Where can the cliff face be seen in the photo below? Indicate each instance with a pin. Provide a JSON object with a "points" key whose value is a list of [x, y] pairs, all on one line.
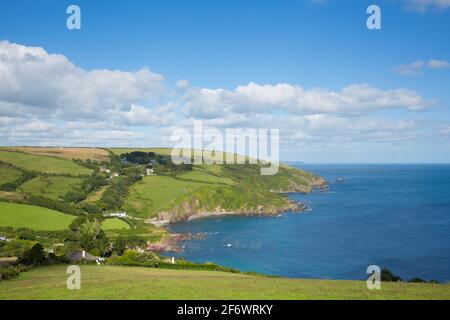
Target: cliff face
{"points": [[251, 194]]}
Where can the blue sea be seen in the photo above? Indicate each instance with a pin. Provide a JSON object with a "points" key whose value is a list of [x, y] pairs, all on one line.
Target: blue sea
{"points": [[393, 216]]}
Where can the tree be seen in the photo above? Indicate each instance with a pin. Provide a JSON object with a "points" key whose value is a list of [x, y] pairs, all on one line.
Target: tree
{"points": [[87, 231], [417, 280], [387, 275], [34, 256], [119, 246]]}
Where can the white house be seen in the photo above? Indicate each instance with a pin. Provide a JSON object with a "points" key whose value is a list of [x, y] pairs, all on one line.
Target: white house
{"points": [[106, 170], [113, 175], [119, 214]]}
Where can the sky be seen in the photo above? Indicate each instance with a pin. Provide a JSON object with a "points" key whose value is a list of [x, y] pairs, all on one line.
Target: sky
{"points": [[138, 70]]}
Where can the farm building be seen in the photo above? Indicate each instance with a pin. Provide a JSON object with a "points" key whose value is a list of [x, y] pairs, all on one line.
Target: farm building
{"points": [[82, 255]]}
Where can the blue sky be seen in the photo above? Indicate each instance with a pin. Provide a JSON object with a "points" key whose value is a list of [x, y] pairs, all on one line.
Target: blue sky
{"points": [[221, 45]]}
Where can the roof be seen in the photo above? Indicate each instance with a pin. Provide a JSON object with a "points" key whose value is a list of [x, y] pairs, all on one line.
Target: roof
{"points": [[81, 255]]}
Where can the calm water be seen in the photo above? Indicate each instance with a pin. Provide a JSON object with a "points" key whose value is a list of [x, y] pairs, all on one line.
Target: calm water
{"points": [[394, 216]]}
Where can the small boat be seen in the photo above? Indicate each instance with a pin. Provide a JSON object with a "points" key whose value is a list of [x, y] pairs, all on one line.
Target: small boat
{"points": [[229, 245]]}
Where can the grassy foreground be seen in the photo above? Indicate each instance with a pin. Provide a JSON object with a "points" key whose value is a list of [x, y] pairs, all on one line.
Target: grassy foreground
{"points": [[105, 282]]}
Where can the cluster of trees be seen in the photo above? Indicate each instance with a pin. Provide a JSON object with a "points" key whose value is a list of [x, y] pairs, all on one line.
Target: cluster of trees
{"points": [[27, 258], [87, 233], [140, 157], [388, 276], [161, 164], [115, 194], [90, 184], [11, 271], [88, 163]]}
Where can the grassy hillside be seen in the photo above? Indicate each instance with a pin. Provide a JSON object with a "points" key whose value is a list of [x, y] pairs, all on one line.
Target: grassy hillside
{"points": [[104, 282], [53, 187], [54, 181], [37, 218], [8, 174], [216, 188], [114, 224], [44, 164], [65, 153], [158, 193]]}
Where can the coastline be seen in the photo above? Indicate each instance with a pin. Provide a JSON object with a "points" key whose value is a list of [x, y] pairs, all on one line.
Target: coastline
{"points": [[294, 206], [171, 242]]}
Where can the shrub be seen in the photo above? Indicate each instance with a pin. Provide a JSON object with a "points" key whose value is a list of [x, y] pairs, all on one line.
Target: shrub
{"points": [[417, 280], [34, 256], [12, 271], [15, 248], [387, 275]]}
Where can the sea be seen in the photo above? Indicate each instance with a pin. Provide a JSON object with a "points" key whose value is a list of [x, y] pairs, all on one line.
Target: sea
{"points": [[395, 216]]}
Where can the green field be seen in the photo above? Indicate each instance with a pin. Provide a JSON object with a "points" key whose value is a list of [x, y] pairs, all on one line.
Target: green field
{"points": [[8, 174], [53, 187], [44, 164], [114, 224], [157, 193], [105, 282], [37, 218]]}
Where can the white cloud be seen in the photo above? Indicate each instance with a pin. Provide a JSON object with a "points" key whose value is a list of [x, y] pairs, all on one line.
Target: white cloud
{"points": [[33, 81], [414, 5], [139, 115], [182, 84], [411, 69], [315, 2], [438, 64], [426, 5], [47, 100], [418, 67], [355, 98]]}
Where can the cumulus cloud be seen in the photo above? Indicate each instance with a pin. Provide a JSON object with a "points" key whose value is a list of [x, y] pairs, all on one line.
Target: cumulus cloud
{"points": [[418, 67], [414, 5], [355, 98], [182, 84], [315, 2], [47, 100], [34, 81], [438, 64], [426, 5]]}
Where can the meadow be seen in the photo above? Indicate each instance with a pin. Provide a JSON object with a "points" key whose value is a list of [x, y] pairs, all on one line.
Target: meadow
{"points": [[114, 224], [8, 174], [112, 282], [157, 193], [96, 154], [52, 187], [44, 164], [33, 217]]}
